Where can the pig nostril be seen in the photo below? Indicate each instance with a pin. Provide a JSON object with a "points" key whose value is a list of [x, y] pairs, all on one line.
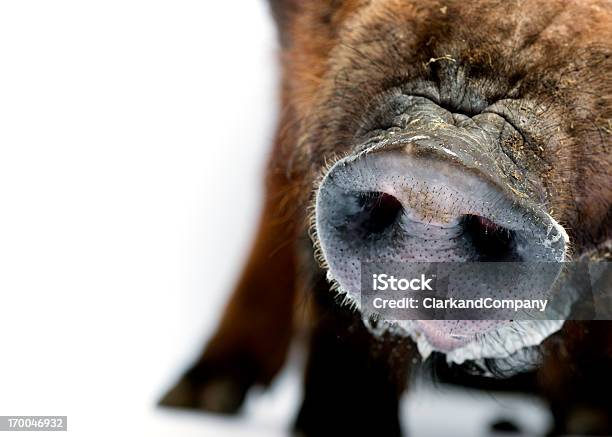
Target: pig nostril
{"points": [[378, 211], [491, 241]]}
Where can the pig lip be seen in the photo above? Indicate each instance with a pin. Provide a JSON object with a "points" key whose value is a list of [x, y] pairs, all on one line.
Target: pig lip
{"points": [[439, 340], [443, 339]]}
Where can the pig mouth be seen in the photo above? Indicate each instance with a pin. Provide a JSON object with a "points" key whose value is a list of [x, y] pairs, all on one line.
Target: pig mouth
{"points": [[498, 340], [437, 191]]}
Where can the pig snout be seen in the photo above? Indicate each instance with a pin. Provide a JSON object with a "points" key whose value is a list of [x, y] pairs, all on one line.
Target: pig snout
{"points": [[433, 195]]}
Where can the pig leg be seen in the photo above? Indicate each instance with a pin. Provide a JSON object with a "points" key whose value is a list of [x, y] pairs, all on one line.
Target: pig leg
{"points": [[353, 380], [252, 339]]}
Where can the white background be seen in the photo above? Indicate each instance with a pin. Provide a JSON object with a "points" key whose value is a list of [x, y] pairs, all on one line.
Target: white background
{"points": [[133, 136]]}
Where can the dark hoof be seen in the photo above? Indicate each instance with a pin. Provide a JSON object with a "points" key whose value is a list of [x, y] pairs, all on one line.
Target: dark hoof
{"points": [[221, 395], [505, 426], [214, 386]]}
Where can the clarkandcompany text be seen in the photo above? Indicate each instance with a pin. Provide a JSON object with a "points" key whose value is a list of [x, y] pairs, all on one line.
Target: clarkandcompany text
{"points": [[454, 303]]}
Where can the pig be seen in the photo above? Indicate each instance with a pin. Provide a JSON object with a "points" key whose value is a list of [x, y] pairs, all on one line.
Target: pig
{"points": [[400, 121]]}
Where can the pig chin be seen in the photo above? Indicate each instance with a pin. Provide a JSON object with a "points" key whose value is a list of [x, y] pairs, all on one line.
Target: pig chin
{"points": [[438, 188], [508, 340]]}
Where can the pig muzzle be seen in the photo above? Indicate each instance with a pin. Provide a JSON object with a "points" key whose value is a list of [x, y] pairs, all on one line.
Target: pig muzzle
{"points": [[433, 192]]}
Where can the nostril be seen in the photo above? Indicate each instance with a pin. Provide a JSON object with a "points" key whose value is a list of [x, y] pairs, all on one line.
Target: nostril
{"points": [[491, 241], [377, 212]]}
